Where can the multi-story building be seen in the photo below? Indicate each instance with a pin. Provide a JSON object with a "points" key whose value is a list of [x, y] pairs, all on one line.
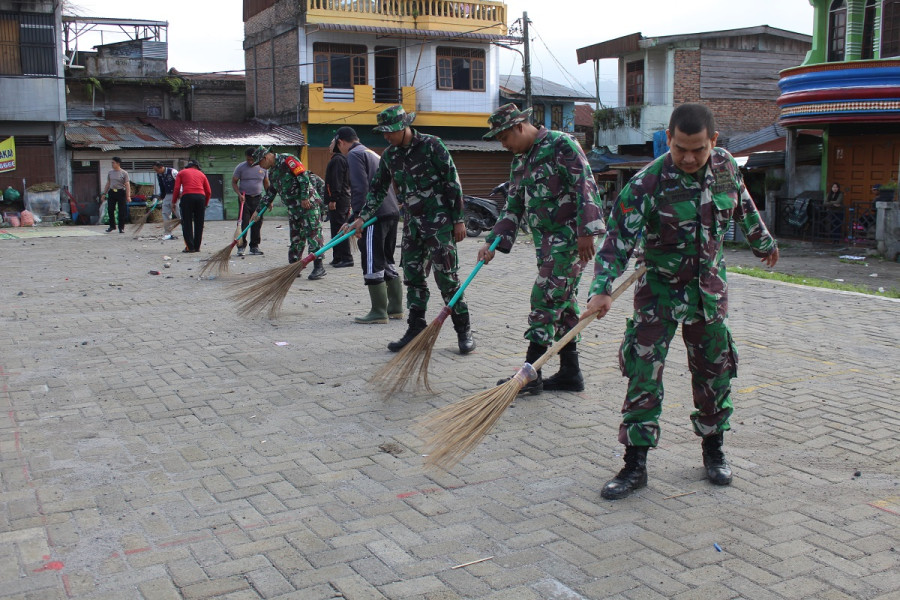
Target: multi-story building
{"points": [[734, 72], [849, 88], [33, 106], [322, 64]]}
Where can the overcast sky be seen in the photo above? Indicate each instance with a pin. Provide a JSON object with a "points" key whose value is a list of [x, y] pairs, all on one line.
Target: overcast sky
{"points": [[203, 38]]}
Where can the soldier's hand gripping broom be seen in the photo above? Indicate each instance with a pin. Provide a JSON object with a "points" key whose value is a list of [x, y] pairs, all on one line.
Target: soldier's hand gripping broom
{"points": [[219, 260], [268, 289], [454, 431], [416, 355]]}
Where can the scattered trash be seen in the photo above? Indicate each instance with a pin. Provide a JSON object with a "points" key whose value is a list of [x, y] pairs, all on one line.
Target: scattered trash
{"points": [[717, 547], [840, 280], [154, 272], [473, 562], [680, 495], [167, 258], [874, 275], [881, 290], [281, 343], [849, 258], [20, 294], [857, 474]]}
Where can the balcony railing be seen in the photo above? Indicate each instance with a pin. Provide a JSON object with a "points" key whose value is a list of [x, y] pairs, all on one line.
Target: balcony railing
{"points": [[486, 16]]}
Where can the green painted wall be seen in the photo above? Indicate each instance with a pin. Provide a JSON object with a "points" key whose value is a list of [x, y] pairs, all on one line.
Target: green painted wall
{"points": [[221, 160], [856, 10]]}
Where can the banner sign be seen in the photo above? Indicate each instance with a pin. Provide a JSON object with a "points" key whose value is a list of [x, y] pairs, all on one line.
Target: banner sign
{"points": [[8, 155]]}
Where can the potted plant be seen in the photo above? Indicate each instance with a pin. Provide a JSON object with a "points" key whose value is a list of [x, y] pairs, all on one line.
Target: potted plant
{"points": [[886, 192]]}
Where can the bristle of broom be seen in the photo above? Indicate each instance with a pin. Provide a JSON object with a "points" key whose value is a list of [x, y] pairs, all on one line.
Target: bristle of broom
{"points": [[218, 261], [455, 430], [254, 293], [138, 226], [415, 356], [173, 223]]}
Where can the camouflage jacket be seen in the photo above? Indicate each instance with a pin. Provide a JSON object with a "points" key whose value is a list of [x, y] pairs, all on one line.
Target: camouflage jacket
{"points": [[289, 179], [552, 188], [426, 179], [684, 219]]}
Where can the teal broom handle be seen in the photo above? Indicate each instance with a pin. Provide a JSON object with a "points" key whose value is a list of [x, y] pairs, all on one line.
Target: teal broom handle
{"points": [[471, 276]]}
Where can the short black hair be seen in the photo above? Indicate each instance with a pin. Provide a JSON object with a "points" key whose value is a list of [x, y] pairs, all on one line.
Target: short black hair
{"points": [[692, 118], [117, 160], [346, 134], [249, 151], [158, 164]]}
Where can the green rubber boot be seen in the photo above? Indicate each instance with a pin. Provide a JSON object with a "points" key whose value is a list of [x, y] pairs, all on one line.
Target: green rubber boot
{"points": [[395, 298], [378, 314]]}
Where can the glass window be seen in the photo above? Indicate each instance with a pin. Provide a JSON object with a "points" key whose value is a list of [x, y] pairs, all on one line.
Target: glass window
{"points": [[868, 38], [27, 44], [537, 115], [837, 30], [340, 65], [890, 29], [556, 117], [460, 69], [634, 83]]}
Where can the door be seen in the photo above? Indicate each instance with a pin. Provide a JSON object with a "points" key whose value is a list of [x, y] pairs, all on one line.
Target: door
{"points": [[858, 163], [215, 211], [86, 189], [387, 79]]}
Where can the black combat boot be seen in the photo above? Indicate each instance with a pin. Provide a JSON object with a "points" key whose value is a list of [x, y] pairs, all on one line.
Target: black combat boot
{"points": [[717, 469], [318, 271], [569, 378], [535, 386], [416, 324], [633, 475], [463, 332]]}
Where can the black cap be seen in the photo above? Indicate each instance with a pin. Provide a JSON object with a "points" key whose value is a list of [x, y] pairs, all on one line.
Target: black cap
{"points": [[346, 134]]}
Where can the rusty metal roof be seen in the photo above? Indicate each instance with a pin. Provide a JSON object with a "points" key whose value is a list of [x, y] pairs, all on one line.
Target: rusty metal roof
{"points": [[115, 135], [187, 134]]}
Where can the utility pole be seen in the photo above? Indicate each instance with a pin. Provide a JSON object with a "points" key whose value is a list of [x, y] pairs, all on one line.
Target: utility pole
{"points": [[526, 62]]}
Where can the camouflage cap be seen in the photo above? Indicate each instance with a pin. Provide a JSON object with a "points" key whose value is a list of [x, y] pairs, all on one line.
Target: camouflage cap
{"points": [[259, 154], [394, 118], [505, 117]]}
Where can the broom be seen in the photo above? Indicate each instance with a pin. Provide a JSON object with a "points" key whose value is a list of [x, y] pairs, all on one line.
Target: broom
{"points": [[455, 430], [219, 260], [269, 288], [415, 356], [145, 219]]}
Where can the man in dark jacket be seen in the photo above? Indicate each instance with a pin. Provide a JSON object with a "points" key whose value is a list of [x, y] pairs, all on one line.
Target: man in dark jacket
{"points": [[165, 176], [379, 240], [337, 197]]}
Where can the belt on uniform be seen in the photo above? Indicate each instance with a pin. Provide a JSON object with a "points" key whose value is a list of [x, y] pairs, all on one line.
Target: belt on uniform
{"points": [[115, 190]]}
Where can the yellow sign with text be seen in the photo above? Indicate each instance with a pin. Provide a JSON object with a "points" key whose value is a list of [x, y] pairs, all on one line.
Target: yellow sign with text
{"points": [[8, 155]]}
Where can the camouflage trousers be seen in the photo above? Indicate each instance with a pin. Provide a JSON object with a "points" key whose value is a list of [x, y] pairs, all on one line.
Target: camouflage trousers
{"points": [[306, 228], [426, 246], [712, 360], [554, 295]]}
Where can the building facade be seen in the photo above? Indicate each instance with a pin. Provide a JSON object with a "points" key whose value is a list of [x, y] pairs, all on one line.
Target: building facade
{"points": [[734, 72], [320, 65], [849, 88], [32, 101]]}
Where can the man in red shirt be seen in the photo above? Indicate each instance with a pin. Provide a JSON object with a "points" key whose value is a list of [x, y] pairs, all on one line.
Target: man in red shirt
{"points": [[192, 188]]}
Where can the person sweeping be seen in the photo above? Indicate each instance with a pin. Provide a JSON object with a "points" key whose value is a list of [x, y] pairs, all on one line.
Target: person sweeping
{"points": [[552, 188], [428, 186], [289, 178]]}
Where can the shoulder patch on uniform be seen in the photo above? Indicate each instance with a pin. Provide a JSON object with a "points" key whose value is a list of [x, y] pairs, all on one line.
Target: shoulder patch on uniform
{"points": [[625, 209], [295, 166]]}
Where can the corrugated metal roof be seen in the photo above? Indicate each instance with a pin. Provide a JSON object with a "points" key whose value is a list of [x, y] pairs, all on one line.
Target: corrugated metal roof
{"points": [[474, 145], [187, 134], [514, 86], [414, 33], [765, 135], [115, 135], [584, 115]]}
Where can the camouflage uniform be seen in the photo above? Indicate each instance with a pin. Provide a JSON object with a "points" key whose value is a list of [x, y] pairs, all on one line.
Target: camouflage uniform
{"points": [[684, 218], [552, 188], [290, 179], [428, 187]]}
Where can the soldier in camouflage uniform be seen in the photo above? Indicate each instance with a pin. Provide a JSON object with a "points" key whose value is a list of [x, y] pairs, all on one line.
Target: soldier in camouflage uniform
{"points": [[552, 188], [298, 190], [428, 186], [682, 202]]}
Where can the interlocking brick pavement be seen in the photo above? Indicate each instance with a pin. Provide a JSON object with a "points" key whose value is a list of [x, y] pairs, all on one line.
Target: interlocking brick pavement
{"points": [[153, 445]]}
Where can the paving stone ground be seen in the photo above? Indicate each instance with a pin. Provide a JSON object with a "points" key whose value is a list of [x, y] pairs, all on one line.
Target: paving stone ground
{"points": [[154, 446]]}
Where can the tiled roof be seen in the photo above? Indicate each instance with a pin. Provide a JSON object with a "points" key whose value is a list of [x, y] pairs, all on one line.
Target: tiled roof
{"points": [[227, 133], [115, 135], [514, 86]]}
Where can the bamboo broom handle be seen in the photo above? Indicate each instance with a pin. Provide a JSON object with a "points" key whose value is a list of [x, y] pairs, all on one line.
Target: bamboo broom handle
{"points": [[555, 348]]}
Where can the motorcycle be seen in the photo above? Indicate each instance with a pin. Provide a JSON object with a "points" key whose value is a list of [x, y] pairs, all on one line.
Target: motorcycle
{"points": [[481, 213]]}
